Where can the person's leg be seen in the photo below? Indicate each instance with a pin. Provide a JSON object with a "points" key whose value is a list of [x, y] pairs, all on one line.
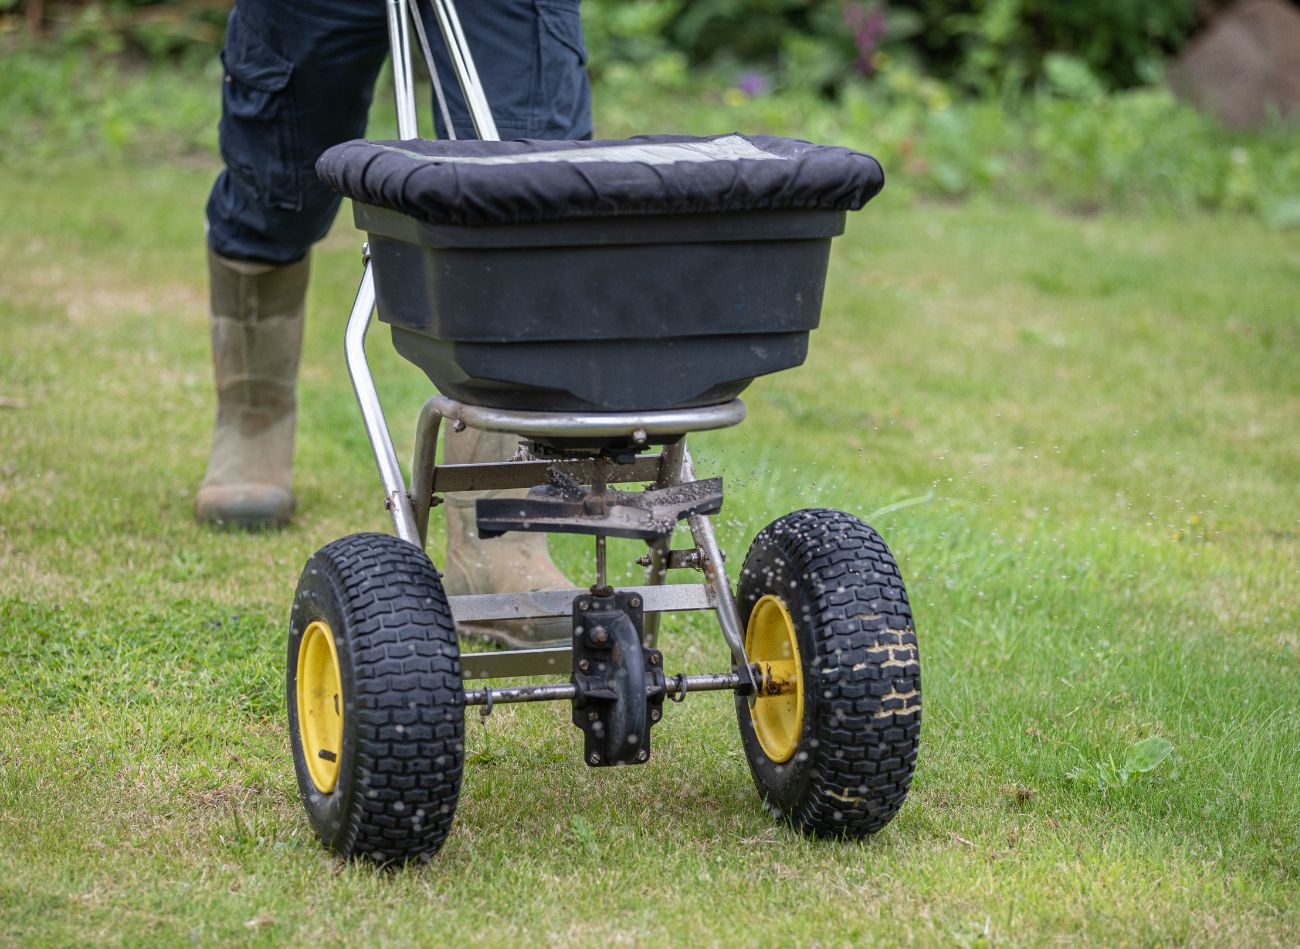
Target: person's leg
{"points": [[256, 313], [298, 78]]}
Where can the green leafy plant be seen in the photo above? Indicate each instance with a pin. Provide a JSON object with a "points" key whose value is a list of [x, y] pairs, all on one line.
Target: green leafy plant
{"points": [[1141, 757], [584, 836]]}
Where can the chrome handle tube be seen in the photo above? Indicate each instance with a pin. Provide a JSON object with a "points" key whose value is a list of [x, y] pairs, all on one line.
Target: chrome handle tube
{"points": [[372, 413], [403, 76], [462, 62]]}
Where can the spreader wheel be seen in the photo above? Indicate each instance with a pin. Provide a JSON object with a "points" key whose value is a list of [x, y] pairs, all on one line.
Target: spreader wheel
{"points": [[376, 707], [832, 738]]}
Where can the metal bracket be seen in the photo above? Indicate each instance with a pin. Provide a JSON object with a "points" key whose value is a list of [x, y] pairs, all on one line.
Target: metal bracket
{"points": [[618, 684], [566, 507], [692, 559]]}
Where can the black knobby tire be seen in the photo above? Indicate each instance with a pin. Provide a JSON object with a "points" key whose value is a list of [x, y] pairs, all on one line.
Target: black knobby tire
{"points": [[861, 671], [399, 768]]}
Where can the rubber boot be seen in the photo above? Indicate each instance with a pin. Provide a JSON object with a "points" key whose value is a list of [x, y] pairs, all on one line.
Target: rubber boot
{"points": [[257, 325], [514, 562]]}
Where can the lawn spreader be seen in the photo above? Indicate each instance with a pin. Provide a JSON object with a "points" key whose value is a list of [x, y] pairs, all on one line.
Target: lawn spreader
{"points": [[601, 301]]}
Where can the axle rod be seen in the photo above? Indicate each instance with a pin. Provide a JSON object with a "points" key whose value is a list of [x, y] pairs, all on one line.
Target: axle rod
{"points": [[677, 687]]}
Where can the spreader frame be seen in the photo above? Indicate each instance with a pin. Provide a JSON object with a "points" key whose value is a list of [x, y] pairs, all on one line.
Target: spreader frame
{"points": [[825, 668]]}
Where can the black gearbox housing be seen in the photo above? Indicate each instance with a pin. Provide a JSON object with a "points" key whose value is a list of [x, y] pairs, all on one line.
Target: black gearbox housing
{"points": [[620, 683]]}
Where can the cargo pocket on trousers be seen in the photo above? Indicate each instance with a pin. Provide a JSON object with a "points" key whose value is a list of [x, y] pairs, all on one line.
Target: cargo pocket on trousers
{"points": [[259, 127], [562, 75]]}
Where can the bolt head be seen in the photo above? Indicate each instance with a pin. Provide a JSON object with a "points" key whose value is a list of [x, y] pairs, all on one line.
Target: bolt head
{"points": [[583, 605], [583, 665], [593, 758], [655, 714], [643, 755], [634, 602], [654, 658], [593, 716]]}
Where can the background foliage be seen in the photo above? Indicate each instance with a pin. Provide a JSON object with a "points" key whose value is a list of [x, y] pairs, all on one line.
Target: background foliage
{"points": [[980, 45], [1033, 97], [191, 29]]}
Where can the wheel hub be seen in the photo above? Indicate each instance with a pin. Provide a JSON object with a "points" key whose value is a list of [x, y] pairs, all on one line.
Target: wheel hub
{"points": [[772, 646], [320, 705]]}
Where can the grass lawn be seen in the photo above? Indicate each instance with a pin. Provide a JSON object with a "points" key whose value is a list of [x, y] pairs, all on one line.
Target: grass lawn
{"points": [[1096, 419]]}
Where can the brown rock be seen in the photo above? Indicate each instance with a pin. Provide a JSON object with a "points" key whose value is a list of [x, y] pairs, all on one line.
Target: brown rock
{"points": [[1245, 67]]}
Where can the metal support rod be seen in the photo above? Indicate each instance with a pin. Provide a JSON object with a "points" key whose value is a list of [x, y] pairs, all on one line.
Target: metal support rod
{"points": [[403, 75], [417, 20], [521, 693], [600, 561], [462, 62], [715, 580], [363, 384], [424, 469], [656, 572], [708, 682]]}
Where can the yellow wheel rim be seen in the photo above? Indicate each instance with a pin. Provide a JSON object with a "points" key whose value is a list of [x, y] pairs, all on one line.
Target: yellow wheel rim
{"points": [[320, 705], [770, 643]]}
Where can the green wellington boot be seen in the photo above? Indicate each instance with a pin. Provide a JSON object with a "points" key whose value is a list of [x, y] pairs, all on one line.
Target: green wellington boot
{"points": [[514, 562], [257, 324]]}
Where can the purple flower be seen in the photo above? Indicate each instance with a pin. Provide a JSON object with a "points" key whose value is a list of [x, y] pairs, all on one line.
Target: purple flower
{"points": [[868, 27], [752, 84]]}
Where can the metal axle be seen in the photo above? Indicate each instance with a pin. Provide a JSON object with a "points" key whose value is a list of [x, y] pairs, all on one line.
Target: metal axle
{"points": [[677, 688]]}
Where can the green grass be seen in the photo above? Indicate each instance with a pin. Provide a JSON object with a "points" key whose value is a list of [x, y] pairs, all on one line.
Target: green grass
{"points": [[1097, 419]]}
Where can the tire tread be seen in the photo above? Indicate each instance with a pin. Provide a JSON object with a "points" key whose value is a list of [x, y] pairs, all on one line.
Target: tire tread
{"points": [[865, 669], [408, 701]]}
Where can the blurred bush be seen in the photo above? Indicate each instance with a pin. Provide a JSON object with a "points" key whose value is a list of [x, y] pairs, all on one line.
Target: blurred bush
{"points": [[191, 30], [1068, 141], [979, 46], [1049, 124]]}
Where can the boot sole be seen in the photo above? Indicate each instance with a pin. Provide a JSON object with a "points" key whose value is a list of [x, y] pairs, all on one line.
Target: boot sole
{"points": [[254, 513]]}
